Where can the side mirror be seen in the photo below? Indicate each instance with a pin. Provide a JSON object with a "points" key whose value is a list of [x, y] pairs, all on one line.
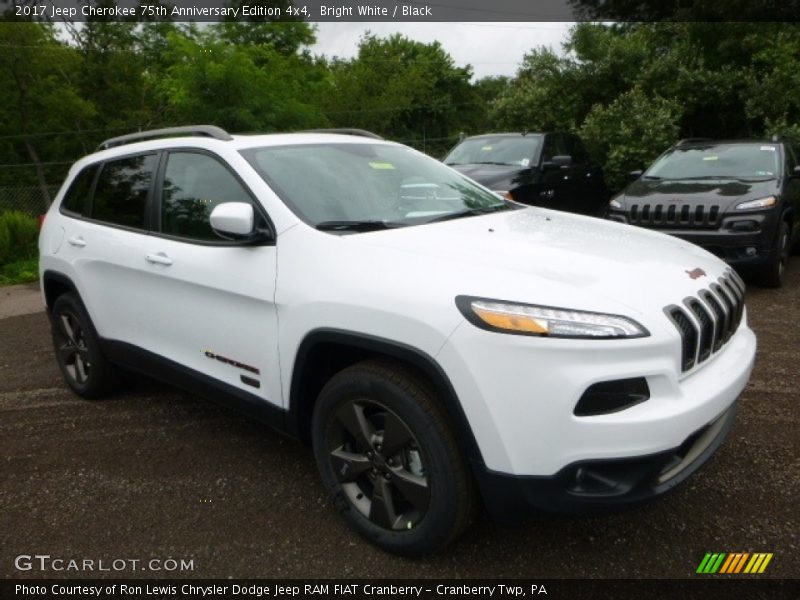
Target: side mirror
{"points": [[634, 175], [234, 220], [557, 162]]}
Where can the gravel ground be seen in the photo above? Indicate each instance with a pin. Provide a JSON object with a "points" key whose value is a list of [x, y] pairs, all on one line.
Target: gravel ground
{"points": [[156, 473]]}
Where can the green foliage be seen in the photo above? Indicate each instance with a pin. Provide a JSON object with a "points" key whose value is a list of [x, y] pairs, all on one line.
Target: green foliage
{"points": [[629, 133], [541, 97], [38, 94], [617, 84], [403, 89], [633, 89], [241, 88], [19, 235], [21, 271]]}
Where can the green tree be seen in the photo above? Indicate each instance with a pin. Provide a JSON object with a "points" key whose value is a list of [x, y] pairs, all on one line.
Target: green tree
{"points": [[38, 95], [243, 88], [630, 132], [405, 90]]}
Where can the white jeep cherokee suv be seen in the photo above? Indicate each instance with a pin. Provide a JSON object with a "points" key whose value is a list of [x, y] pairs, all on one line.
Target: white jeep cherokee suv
{"points": [[434, 343]]}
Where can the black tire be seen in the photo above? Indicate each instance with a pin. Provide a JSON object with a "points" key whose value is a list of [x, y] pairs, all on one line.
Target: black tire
{"points": [[772, 275], [77, 349], [389, 459]]}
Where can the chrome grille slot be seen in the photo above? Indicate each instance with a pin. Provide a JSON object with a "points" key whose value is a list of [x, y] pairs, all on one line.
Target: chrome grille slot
{"points": [[674, 215], [719, 317], [688, 335], [706, 328], [708, 320], [728, 305]]}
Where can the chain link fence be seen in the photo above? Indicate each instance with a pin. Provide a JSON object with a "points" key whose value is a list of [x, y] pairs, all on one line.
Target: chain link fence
{"points": [[29, 200]]}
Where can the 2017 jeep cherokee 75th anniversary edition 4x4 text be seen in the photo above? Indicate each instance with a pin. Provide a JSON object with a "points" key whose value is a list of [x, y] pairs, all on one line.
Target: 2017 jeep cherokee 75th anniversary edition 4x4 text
{"points": [[434, 348]]}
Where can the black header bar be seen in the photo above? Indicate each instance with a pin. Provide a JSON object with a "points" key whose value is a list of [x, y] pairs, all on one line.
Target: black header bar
{"points": [[400, 10]]}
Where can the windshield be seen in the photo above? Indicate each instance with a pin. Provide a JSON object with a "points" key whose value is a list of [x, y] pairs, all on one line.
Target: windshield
{"points": [[736, 161], [500, 150], [359, 187]]}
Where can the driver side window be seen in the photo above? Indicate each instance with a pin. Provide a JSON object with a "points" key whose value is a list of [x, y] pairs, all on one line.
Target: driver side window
{"points": [[553, 146], [194, 184]]}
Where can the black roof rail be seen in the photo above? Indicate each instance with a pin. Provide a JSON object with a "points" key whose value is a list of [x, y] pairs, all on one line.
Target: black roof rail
{"points": [[199, 130], [345, 131], [693, 140]]}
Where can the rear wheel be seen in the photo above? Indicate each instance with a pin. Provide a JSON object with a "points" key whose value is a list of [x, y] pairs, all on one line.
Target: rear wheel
{"points": [[77, 349], [776, 267], [389, 459]]}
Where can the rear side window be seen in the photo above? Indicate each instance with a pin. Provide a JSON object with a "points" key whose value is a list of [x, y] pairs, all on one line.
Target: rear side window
{"points": [[577, 150], [120, 196], [194, 184], [78, 193]]}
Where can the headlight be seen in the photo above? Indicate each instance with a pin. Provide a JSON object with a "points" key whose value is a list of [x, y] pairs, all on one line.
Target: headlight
{"points": [[614, 203], [760, 203], [530, 319]]}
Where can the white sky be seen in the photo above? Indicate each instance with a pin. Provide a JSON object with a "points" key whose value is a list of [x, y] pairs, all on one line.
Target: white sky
{"points": [[491, 48]]}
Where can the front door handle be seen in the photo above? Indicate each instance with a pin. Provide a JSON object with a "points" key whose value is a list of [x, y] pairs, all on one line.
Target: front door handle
{"points": [[158, 259], [76, 241]]}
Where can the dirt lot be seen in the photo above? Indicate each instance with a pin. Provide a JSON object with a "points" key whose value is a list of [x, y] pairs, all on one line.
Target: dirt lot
{"points": [[155, 473]]}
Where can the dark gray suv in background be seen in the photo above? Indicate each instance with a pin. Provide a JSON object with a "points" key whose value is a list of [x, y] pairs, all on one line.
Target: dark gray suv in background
{"points": [[738, 199], [552, 170]]}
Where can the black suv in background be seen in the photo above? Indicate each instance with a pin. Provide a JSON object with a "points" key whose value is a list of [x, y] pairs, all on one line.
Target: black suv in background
{"points": [[738, 199], [552, 170]]}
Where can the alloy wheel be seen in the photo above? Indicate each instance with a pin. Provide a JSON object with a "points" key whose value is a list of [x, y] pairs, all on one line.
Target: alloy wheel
{"points": [[784, 253], [379, 465], [71, 347]]}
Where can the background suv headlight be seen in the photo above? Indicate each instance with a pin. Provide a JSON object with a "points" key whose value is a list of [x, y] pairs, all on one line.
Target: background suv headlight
{"points": [[531, 319], [767, 202]]}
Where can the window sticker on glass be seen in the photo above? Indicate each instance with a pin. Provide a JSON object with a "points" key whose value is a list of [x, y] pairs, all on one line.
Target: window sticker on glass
{"points": [[382, 166], [769, 148], [711, 158], [487, 149], [525, 162]]}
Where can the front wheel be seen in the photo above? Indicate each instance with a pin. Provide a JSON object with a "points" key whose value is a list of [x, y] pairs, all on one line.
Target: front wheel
{"points": [[776, 267], [388, 458]]}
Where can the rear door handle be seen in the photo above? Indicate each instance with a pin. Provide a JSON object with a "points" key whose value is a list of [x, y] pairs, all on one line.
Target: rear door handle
{"points": [[76, 241], [158, 259]]}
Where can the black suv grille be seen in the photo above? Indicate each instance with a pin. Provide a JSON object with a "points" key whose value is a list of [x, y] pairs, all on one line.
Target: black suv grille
{"points": [[708, 321], [675, 216]]}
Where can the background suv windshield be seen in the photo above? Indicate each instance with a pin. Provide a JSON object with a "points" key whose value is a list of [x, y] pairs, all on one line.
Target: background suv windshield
{"points": [[366, 182], [502, 150], [720, 160]]}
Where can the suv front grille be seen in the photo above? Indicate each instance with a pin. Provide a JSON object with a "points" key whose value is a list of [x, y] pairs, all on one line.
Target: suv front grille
{"points": [[683, 216], [706, 322]]}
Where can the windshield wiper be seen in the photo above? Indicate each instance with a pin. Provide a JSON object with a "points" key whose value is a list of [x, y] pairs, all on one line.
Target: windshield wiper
{"points": [[737, 177], [651, 177], [367, 225], [471, 212], [486, 162]]}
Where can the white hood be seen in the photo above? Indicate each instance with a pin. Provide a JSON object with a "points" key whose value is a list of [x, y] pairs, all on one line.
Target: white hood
{"points": [[548, 257]]}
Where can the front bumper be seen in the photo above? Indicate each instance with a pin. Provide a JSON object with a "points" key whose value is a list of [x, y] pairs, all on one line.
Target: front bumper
{"points": [[739, 248], [601, 485], [520, 394]]}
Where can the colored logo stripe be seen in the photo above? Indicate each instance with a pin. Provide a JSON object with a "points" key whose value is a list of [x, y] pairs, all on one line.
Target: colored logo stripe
{"points": [[711, 562], [729, 563], [758, 563]]}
